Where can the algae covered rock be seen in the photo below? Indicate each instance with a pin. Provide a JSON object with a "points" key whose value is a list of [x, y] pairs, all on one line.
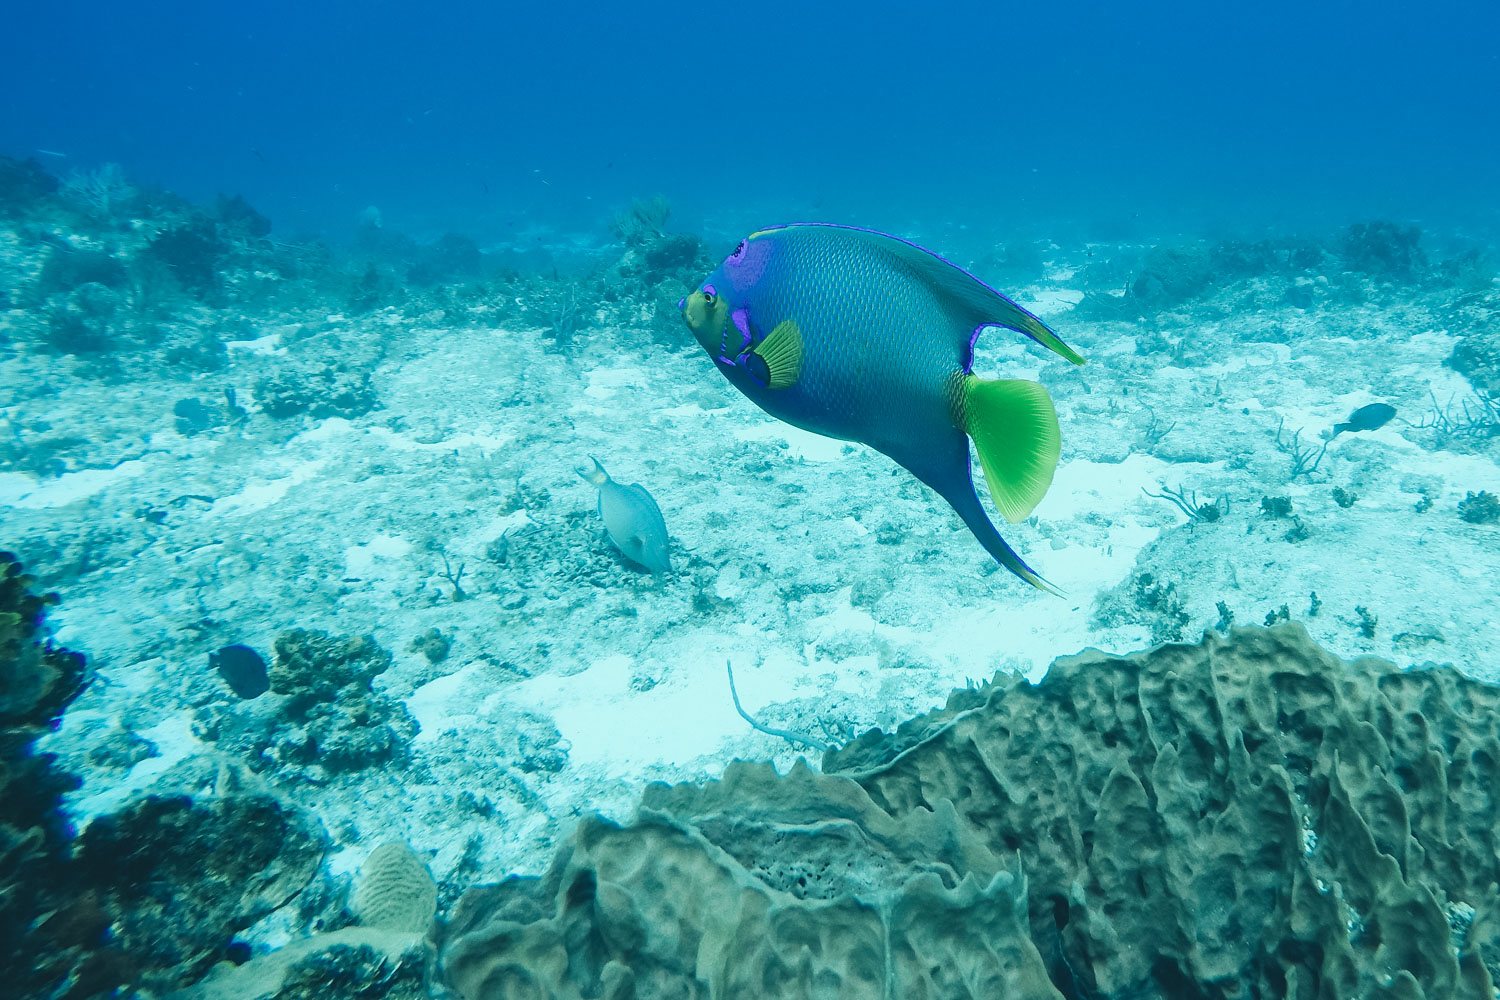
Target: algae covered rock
{"points": [[328, 718], [179, 877], [328, 388], [145, 898], [1247, 816], [386, 956], [338, 719], [41, 930]]}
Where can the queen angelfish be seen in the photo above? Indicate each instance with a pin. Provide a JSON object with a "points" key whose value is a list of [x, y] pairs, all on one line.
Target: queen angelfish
{"points": [[865, 337]]}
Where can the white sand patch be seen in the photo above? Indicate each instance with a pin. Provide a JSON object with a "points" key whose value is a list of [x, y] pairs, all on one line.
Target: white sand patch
{"points": [[484, 439], [17, 489], [447, 704], [373, 560], [260, 494], [268, 345], [605, 382], [1049, 301], [800, 444], [328, 429], [617, 728], [693, 411], [174, 742]]}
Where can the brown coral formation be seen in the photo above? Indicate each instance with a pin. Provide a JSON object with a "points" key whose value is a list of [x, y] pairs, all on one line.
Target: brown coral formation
{"points": [[143, 900], [1248, 816], [39, 929]]}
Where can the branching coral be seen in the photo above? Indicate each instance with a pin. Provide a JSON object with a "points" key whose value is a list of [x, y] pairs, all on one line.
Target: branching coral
{"points": [[1305, 460], [1205, 513]]}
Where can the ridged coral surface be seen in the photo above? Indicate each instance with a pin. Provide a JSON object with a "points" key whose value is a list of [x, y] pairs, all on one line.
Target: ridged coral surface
{"points": [[1248, 816], [396, 891]]}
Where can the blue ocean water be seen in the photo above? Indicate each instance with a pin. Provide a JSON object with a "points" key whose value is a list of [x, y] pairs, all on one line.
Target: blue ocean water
{"points": [[477, 116], [393, 478]]}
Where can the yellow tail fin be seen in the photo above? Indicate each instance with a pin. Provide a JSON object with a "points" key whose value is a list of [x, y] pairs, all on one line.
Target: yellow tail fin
{"points": [[1015, 431]]}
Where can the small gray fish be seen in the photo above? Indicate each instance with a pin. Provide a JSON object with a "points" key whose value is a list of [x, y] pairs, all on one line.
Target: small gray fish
{"points": [[632, 520]]}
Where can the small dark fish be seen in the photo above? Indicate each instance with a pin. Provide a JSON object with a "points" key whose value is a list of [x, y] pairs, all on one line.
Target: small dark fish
{"points": [[1367, 418], [242, 669]]}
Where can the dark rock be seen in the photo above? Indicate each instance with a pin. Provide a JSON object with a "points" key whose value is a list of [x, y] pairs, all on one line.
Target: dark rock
{"points": [[180, 877], [1383, 249], [24, 186], [191, 254], [67, 268], [1170, 276], [237, 215], [452, 258]]}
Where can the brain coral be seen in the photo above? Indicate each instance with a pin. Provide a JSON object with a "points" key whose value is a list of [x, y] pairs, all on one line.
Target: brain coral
{"points": [[1245, 817], [397, 891]]}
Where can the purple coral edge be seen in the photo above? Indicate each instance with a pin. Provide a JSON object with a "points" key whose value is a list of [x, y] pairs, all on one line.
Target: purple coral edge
{"points": [[974, 337]]}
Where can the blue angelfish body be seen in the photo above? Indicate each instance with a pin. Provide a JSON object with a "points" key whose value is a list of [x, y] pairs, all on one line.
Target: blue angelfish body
{"points": [[865, 337]]}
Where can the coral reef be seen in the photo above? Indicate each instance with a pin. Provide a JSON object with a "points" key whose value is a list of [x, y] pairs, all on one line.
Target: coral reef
{"points": [[1247, 816], [385, 956], [39, 930], [329, 716], [147, 897]]}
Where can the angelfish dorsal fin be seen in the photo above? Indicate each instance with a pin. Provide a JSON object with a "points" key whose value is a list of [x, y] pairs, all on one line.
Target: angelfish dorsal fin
{"points": [[782, 353], [982, 305]]}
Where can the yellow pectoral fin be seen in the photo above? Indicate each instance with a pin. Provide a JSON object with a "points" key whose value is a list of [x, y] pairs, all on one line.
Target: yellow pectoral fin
{"points": [[1015, 431], [782, 353]]}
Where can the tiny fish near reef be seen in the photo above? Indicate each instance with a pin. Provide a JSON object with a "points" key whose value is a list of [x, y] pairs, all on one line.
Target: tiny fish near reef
{"points": [[633, 521], [865, 337]]}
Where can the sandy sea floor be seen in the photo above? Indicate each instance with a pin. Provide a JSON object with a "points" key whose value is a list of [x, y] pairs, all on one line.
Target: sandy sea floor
{"points": [[844, 594]]}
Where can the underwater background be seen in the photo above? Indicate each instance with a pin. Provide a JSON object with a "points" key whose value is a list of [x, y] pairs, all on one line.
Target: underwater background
{"points": [[380, 532]]}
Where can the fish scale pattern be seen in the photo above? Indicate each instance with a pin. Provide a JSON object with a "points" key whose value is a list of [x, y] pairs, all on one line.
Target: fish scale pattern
{"points": [[844, 287]]}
